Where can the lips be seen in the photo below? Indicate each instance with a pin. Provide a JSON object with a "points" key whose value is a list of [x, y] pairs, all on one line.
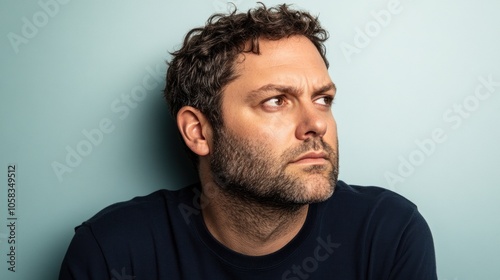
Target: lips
{"points": [[312, 157]]}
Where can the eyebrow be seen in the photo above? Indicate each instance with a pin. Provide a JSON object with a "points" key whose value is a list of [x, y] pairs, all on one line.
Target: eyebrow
{"points": [[253, 94]]}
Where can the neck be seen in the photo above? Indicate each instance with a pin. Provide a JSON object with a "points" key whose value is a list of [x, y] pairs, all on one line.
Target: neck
{"points": [[248, 227]]}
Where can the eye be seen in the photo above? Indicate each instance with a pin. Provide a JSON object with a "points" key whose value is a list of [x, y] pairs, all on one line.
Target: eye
{"points": [[326, 100], [275, 102]]}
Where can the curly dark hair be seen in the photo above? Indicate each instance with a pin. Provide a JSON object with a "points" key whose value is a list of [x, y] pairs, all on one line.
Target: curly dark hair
{"points": [[204, 65]]}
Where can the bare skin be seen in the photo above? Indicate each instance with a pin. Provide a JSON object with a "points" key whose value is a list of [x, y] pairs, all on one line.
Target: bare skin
{"points": [[281, 99]]}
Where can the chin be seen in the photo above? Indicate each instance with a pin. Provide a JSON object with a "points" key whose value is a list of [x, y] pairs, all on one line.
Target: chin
{"points": [[317, 191]]}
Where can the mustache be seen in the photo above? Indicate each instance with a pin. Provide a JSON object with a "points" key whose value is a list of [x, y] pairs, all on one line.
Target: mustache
{"points": [[314, 144]]}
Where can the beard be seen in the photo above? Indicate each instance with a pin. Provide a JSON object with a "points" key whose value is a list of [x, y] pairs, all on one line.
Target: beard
{"points": [[251, 172]]}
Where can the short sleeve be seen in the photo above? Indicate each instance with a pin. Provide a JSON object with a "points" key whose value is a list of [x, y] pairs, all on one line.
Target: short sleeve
{"points": [[415, 256], [84, 258]]}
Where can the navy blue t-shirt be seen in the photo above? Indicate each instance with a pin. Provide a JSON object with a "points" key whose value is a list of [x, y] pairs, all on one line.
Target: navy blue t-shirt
{"points": [[359, 233]]}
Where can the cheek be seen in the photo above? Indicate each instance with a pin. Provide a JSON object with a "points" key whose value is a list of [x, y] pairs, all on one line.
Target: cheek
{"points": [[271, 141], [332, 126], [331, 133], [262, 128], [278, 128]]}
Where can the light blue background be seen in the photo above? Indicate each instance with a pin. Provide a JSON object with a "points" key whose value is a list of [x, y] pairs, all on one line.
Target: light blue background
{"points": [[72, 74]]}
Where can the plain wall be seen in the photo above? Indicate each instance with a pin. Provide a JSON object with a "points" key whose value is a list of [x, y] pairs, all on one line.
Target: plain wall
{"points": [[417, 108]]}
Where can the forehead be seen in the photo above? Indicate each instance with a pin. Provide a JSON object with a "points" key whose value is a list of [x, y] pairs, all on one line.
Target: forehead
{"points": [[292, 61], [287, 50]]}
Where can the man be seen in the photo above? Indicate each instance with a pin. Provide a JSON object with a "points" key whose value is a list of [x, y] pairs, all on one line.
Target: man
{"points": [[252, 98]]}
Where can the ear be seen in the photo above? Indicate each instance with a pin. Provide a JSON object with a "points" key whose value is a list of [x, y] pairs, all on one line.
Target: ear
{"points": [[195, 130]]}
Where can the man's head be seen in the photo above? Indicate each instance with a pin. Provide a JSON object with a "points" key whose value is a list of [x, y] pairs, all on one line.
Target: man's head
{"points": [[252, 95], [205, 64]]}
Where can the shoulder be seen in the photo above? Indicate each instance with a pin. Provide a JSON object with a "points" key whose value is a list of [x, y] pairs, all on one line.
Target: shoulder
{"points": [[389, 226], [138, 216], [125, 234], [135, 208], [383, 214], [371, 197], [373, 210]]}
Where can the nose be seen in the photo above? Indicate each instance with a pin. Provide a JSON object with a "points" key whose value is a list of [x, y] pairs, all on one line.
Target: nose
{"points": [[312, 123]]}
